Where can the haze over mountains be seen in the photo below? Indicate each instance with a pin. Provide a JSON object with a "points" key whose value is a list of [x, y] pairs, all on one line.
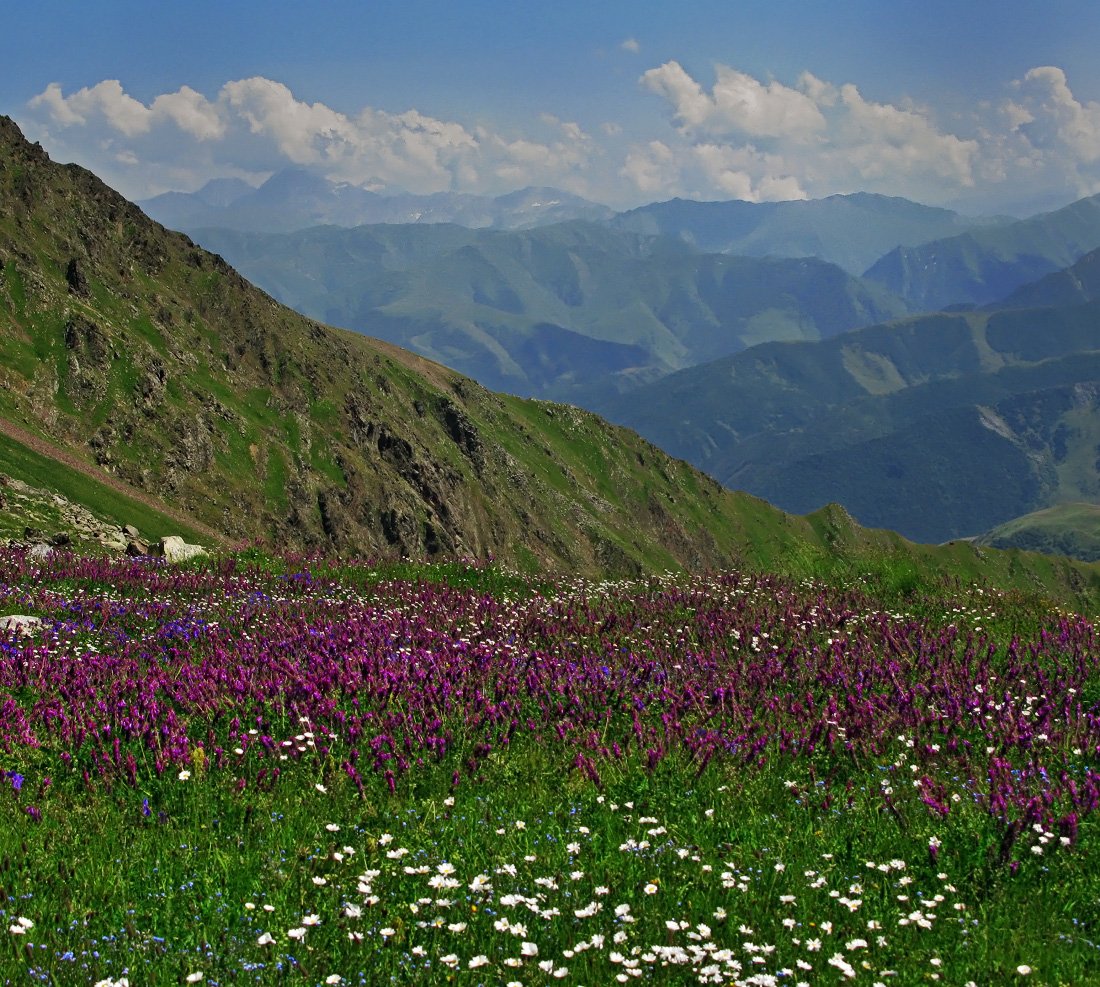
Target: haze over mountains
{"points": [[852, 231], [129, 355], [125, 346], [939, 426], [985, 264], [295, 199]]}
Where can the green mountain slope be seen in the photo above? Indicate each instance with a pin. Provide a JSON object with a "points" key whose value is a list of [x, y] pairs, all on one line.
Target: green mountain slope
{"points": [[128, 347], [937, 426], [1065, 529], [567, 311], [984, 265], [852, 231]]}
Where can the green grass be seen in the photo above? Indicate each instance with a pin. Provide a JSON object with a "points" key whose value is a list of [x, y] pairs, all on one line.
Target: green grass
{"points": [[17, 461], [1066, 529], [167, 894], [275, 477]]}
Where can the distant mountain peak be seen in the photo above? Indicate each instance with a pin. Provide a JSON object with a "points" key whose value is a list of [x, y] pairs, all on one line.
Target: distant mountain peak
{"points": [[296, 198], [224, 191]]}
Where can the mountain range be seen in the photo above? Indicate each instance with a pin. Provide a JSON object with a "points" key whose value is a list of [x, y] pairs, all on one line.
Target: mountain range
{"points": [[940, 426], [985, 264], [851, 231], [295, 199], [568, 311], [580, 311], [140, 373], [674, 318]]}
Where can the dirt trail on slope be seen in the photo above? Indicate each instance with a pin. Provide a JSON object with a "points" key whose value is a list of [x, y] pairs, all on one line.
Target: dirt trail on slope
{"points": [[67, 457]]}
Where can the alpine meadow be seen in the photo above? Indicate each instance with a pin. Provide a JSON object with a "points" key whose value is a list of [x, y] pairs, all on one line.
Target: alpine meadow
{"points": [[501, 496]]}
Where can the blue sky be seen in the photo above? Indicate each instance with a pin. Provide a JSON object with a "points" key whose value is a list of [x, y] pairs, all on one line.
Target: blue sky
{"points": [[979, 106]]}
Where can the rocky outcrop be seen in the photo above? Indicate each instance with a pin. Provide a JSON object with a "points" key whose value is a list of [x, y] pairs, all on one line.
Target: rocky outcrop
{"points": [[39, 520], [462, 431]]}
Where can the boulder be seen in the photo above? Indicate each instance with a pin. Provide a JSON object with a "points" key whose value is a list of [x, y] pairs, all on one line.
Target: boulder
{"points": [[111, 540], [174, 549], [18, 623], [137, 546], [40, 551]]}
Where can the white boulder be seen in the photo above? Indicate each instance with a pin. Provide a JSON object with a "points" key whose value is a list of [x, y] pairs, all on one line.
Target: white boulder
{"points": [[18, 623], [175, 549]]}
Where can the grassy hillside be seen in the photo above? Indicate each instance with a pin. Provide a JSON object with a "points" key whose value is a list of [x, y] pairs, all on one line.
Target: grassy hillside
{"points": [[152, 361], [47, 505], [1065, 529], [565, 312], [152, 364]]}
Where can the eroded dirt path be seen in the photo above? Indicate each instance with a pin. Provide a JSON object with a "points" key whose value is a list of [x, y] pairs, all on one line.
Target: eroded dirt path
{"points": [[74, 462]]}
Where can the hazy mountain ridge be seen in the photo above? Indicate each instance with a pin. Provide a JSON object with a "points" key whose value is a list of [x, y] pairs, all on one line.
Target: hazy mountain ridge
{"points": [[1073, 285], [586, 313], [937, 426], [984, 265], [124, 343], [567, 311], [296, 199], [127, 343], [851, 231]]}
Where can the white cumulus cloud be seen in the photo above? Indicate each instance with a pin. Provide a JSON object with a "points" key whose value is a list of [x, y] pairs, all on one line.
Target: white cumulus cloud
{"points": [[710, 170], [653, 168], [255, 126], [737, 103], [730, 135], [766, 140], [1051, 115], [108, 104], [106, 101]]}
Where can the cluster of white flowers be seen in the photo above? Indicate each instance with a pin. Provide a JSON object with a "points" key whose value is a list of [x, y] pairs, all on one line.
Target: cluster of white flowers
{"points": [[527, 905]]}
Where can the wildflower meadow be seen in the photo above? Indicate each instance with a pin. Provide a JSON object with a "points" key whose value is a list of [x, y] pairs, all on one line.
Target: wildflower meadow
{"points": [[251, 770]]}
